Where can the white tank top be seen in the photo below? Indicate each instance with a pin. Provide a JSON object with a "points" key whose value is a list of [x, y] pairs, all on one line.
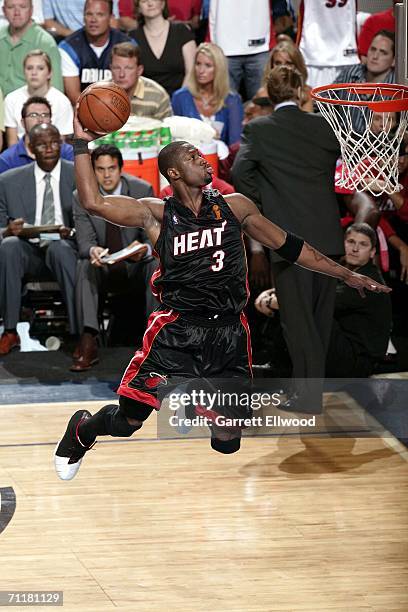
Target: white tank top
{"points": [[240, 27], [327, 33]]}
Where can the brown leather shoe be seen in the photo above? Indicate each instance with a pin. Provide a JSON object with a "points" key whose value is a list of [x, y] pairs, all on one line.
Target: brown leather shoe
{"points": [[77, 352], [87, 353], [8, 342]]}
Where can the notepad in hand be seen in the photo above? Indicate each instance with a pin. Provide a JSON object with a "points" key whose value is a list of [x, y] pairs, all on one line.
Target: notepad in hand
{"points": [[132, 249], [34, 231]]}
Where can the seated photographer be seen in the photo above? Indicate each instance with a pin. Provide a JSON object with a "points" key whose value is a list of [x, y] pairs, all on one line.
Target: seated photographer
{"points": [[361, 326], [96, 238], [38, 194]]}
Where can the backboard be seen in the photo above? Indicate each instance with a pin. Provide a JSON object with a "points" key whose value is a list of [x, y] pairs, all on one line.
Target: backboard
{"points": [[401, 51]]}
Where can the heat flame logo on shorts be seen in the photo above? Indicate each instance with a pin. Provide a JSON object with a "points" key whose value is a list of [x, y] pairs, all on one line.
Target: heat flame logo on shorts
{"points": [[155, 380]]}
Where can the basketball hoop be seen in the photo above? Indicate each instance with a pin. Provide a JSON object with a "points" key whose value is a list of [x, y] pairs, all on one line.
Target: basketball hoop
{"points": [[369, 121]]}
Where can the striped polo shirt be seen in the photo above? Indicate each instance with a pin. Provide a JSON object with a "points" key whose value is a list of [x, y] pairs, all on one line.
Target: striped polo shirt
{"points": [[150, 100]]}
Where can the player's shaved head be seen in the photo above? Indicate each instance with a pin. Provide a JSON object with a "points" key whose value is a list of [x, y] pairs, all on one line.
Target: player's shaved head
{"points": [[170, 155]]}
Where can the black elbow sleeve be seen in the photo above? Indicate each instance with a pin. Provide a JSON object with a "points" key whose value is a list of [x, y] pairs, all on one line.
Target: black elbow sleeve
{"points": [[291, 248]]}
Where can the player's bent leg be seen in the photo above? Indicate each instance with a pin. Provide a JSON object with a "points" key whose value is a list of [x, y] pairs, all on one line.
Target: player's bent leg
{"points": [[83, 429], [113, 420]]}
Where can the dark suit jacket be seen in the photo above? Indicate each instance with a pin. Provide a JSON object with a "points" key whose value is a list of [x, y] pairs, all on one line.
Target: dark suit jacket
{"points": [[18, 194], [286, 164], [91, 231]]}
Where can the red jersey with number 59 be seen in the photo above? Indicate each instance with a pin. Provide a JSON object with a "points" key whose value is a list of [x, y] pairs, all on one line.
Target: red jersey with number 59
{"points": [[203, 269]]}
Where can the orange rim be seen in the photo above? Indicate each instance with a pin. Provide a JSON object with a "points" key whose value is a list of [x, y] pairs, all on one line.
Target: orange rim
{"points": [[397, 104]]}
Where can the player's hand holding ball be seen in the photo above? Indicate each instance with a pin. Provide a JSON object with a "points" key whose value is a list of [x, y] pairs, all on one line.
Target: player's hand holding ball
{"points": [[103, 107]]}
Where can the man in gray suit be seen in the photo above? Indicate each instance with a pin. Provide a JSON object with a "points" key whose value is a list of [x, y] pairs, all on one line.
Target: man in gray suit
{"points": [[36, 194], [95, 237], [286, 164]]}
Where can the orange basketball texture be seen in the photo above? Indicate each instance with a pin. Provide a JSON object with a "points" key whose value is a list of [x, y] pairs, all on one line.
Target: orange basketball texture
{"points": [[103, 107]]}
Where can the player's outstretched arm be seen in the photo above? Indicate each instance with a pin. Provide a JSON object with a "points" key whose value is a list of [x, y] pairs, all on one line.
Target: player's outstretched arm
{"points": [[121, 210], [312, 259], [294, 249]]}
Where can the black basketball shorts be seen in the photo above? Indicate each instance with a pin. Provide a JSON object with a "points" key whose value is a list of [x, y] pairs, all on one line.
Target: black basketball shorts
{"points": [[184, 347]]}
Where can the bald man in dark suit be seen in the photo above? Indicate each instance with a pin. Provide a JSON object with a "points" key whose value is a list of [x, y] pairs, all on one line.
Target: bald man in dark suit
{"points": [[36, 194]]}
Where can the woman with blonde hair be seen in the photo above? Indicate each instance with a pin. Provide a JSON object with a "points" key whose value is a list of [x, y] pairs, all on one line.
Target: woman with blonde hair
{"points": [[286, 53], [207, 95]]}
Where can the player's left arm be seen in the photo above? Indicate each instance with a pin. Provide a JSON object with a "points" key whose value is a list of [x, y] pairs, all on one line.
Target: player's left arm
{"points": [[292, 248]]}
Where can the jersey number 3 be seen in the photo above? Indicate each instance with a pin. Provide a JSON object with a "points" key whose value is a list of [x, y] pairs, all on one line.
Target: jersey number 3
{"points": [[219, 261]]}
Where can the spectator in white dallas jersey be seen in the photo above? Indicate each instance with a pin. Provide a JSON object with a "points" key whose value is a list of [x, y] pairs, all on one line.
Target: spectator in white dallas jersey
{"points": [[246, 47], [327, 38]]}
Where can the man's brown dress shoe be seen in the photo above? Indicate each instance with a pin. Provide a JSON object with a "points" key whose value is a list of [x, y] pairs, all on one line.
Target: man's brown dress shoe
{"points": [[9, 341], [86, 354], [77, 352]]}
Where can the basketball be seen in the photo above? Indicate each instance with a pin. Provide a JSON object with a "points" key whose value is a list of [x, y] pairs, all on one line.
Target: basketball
{"points": [[103, 107]]}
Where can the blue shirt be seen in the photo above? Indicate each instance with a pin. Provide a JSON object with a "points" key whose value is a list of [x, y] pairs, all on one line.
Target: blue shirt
{"points": [[69, 12], [16, 156], [231, 114]]}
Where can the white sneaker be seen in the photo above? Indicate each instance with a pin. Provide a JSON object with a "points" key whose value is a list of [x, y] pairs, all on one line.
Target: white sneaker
{"points": [[70, 450]]}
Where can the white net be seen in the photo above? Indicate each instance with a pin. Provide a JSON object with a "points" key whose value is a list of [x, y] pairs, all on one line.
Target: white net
{"points": [[370, 141]]}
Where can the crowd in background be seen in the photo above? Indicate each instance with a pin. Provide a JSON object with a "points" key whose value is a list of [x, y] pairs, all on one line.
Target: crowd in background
{"points": [[210, 60]]}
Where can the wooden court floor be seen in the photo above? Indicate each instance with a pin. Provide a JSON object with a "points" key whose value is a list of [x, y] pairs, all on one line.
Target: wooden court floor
{"points": [[290, 523]]}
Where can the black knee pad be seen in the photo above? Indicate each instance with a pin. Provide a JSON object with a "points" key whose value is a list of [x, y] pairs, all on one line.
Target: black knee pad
{"points": [[120, 426], [112, 422], [226, 447], [133, 409]]}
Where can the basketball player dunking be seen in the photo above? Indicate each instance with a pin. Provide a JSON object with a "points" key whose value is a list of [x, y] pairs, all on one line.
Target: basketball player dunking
{"points": [[200, 330]]}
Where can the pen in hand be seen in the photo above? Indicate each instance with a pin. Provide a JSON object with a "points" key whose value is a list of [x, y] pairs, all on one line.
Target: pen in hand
{"points": [[96, 259]]}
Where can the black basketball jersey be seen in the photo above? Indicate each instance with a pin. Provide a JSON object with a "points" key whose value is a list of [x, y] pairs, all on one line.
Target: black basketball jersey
{"points": [[203, 269]]}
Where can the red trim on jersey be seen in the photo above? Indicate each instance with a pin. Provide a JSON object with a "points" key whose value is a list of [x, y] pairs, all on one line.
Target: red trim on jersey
{"points": [[300, 19], [244, 321], [157, 321], [272, 33], [156, 292], [248, 292]]}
